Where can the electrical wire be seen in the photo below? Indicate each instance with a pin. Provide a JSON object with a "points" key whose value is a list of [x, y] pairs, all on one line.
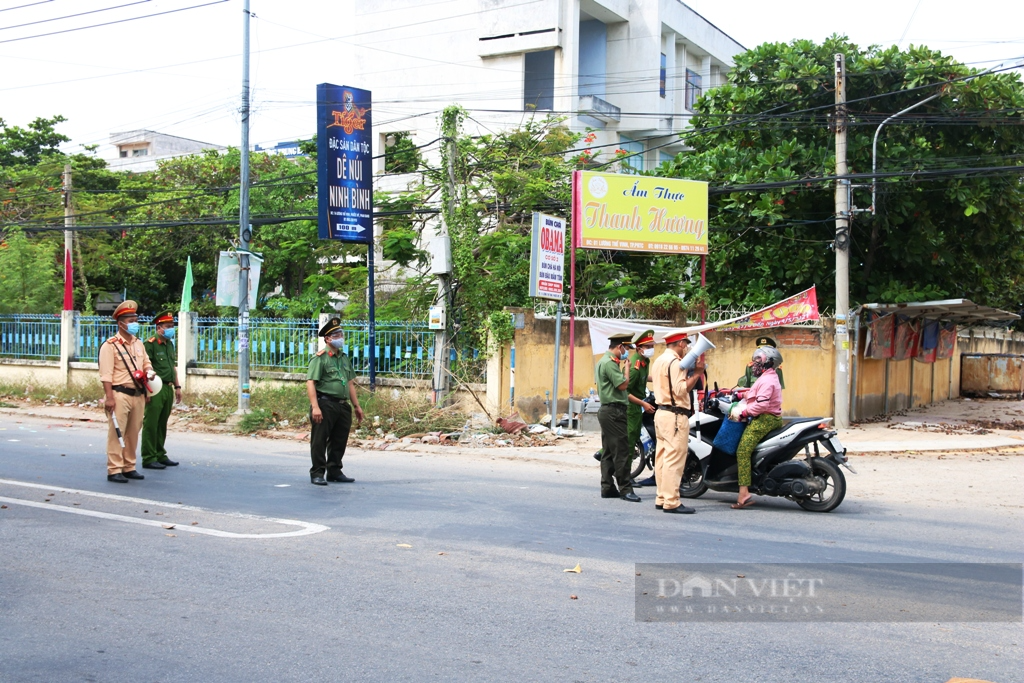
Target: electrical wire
{"points": [[69, 16], [111, 23]]}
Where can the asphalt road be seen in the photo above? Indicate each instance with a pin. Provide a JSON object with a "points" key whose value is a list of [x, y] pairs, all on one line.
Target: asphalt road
{"points": [[435, 567]]}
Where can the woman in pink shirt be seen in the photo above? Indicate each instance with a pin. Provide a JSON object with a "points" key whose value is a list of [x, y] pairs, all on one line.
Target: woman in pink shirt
{"points": [[764, 404]]}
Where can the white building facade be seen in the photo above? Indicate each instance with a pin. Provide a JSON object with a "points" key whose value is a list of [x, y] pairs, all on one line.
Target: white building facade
{"points": [[140, 150], [629, 70]]}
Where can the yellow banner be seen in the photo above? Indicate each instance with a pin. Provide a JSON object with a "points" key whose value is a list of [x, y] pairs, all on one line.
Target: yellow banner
{"points": [[639, 213]]}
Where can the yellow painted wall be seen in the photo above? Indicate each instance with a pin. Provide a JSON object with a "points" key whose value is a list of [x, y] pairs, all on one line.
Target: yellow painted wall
{"points": [[807, 355]]}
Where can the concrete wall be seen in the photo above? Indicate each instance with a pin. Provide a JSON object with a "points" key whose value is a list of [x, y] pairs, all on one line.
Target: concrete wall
{"points": [[880, 386], [807, 367], [36, 372]]}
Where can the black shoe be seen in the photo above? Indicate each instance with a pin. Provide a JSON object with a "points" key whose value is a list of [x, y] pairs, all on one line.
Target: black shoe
{"points": [[318, 480], [341, 478], [597, 455], [154, 466], [132, 474], [649, 481], [681, 510], [119, 478], [659, 507], [631, 497], [167, 462], [610, 494]]}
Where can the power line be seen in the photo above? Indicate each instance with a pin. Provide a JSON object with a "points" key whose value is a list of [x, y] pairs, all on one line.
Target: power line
{"points": [[111, 23], [69, 16], [31, 4]]}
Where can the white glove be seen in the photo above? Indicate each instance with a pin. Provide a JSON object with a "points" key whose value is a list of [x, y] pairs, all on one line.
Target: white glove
{"points": [[150, 375]]}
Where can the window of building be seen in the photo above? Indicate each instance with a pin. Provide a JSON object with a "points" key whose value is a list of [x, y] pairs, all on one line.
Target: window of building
{"points": [[635, 150], [694, 89], [140, 152], [123, 153], [661, 74], [539, 80], [593, 58]]}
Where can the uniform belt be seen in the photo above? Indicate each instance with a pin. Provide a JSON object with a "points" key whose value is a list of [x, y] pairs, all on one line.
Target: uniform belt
{"points": [[614, 405], [131, 391], [330, 399], [675, 409]]}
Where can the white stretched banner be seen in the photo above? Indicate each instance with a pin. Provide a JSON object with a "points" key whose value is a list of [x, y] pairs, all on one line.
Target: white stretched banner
{"points": [[602, 328], [227, 278]]}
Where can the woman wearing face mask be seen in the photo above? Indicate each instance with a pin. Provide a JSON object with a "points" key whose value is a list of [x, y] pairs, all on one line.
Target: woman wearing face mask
{"points": [[639, 369], [764, 405]]}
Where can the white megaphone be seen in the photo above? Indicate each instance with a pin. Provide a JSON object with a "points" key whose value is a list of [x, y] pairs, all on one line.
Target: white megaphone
{"points": [[697, 348]]}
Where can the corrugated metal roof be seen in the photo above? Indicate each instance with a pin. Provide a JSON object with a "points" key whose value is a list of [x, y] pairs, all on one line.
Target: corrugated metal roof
{"points": [[960, 311]]}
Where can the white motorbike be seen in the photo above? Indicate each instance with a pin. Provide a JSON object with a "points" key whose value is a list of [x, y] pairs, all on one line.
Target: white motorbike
{"points": [[799, 461]]}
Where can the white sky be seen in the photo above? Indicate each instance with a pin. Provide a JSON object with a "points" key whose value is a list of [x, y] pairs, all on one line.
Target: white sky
{"points": [[180, 73]]}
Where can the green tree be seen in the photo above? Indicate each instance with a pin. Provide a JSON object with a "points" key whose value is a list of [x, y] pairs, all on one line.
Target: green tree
{"points": [[28, 278], [932, 237]]}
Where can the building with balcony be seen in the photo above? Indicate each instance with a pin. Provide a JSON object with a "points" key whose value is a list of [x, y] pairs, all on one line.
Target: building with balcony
{"points": [[140, 150], [630, 70]]}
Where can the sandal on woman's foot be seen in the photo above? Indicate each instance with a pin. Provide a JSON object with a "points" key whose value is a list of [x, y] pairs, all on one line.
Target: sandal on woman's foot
{"points": [[744, 505]]}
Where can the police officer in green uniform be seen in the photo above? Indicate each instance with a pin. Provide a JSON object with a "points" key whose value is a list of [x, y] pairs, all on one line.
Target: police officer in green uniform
{"points": [[639, 370], [612, 384], [331, 387], [748, 379], [160, 349]]}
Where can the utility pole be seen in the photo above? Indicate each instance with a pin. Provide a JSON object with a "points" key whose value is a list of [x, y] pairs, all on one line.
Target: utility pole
{"points": [[842, 247], [441, 340], [244, 229], [69, 223]]}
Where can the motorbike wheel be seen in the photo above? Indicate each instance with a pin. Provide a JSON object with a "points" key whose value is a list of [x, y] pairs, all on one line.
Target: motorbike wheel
{"points": [[692, 484], [835, 487]]}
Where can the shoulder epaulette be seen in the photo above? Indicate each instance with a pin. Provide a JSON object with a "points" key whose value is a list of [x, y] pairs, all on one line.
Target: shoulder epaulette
{"points": [[111, 340], [321, 352], [151, 339]]}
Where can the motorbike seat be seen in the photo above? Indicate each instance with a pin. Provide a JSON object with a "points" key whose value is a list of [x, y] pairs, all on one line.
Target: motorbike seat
{"points": [[787, 423]]}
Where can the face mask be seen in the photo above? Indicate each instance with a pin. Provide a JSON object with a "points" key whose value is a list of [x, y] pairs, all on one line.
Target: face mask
{"points": [[169, 333], [647, 353], [337, 343], [133, 328], [757, 369], [625, 354]]}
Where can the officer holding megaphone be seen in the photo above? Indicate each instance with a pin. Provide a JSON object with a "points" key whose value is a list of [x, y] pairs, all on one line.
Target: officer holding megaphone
{"points": [[125, 371]]}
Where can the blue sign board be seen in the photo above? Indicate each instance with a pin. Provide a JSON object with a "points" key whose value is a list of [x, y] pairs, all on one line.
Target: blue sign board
{"points": [[344, 163]]}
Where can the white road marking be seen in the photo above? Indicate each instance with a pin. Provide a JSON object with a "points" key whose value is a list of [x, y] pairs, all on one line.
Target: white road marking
{"points": [[306, 528]]}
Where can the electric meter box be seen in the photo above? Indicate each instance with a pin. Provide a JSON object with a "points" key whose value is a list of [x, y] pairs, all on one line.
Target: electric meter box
{"points": [[436, 318]]}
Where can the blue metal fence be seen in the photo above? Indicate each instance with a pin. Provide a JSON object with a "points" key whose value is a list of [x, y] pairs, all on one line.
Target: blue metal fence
{"points": [[404, 349], [93, 330], [30, 336], [274, 344]]}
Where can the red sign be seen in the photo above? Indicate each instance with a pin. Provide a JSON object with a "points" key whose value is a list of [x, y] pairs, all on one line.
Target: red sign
{"points": [[795, 309]]}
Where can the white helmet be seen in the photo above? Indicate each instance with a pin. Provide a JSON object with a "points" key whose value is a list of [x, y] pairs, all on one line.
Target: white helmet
{"points": [[767, 356]]}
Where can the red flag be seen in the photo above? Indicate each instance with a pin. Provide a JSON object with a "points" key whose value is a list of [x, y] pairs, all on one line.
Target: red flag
{"points": [[69, 288]]}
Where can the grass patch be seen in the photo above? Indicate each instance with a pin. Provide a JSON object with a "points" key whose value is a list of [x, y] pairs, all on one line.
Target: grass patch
{"points": [[401, 413], [273, 407], [76, 393]]}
